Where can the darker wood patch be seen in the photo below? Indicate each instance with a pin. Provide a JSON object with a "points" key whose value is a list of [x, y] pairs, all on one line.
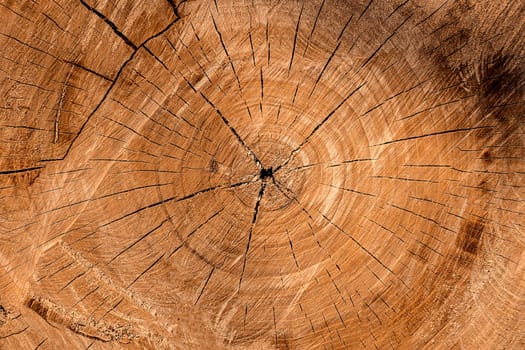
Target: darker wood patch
{"points": [[494, 83], [7, 313], [38, 307], [469, 237], [196, 78], [484, 186], [214, 166], [487, 157], [498, 80], [3, 315], [489, 76], [498, 83]]}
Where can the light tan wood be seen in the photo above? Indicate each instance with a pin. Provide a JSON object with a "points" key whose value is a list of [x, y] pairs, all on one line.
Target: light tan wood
{"points": [[286, 174]]}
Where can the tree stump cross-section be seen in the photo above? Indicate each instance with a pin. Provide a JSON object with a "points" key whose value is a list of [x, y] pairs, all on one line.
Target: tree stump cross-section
{"points": [[198, 174]]}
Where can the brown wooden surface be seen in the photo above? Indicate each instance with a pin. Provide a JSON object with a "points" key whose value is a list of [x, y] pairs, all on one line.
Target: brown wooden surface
{"points": [[286, 174]]}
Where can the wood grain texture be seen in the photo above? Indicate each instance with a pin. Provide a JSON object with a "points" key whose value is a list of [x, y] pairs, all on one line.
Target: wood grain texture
{"points": [[328, 174]]}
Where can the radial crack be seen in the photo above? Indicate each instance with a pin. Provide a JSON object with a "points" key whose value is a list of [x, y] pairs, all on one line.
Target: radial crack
{"points": [[204, 286], [295, 39], [254, 221]]}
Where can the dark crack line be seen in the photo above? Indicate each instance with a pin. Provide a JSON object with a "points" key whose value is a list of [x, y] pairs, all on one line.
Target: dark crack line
{"points": [[203, 71], [73, 280], [432, 134], [227, 53], [251, 44], [111, 309], [111, 25], [435, 107], [175, 7], [352, 161], [98, 306], [267, 34], [366, 9], [31, 47], [291, 248], [430, 248], [232, 66], [175, 199], [314, 26], [324, 68], [295, 39], [394, 96], [16, 13], [275, 326], [157, 87], [25, 83], [397, 8], [431, 14], [40, 344], [335, 286], [291, 196], [85, 296], [133, 130], [318, 126], [145, 271], [434, 221], [89, 70], [204, 286], [339, 41], [56, 272], [14, 333], [203, 224], [359, 244], [262, 92], [26, 170], [337, 310], [32, 128], [386, 229], [254, 221], [245, 315], [350, 190], [333, 165]]}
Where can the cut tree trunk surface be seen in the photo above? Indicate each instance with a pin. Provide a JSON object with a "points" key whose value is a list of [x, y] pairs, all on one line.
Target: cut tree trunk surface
{"points": [[232, 174]]}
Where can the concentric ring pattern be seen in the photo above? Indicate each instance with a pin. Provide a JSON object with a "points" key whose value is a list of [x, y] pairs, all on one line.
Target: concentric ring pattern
{"points": [[272, 174]]}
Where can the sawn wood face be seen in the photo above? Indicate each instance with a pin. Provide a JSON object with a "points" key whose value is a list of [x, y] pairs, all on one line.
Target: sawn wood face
{"points": [[327, 174]]}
